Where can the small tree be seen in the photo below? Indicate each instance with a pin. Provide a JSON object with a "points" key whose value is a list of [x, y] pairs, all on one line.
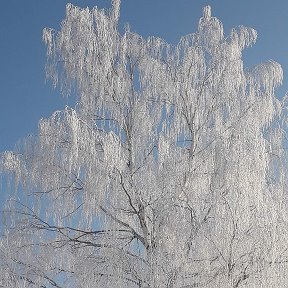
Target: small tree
{"points": [[168, 172]]}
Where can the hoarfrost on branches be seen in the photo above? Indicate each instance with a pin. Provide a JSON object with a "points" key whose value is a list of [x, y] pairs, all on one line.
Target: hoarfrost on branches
{"points": [[170, 171]]}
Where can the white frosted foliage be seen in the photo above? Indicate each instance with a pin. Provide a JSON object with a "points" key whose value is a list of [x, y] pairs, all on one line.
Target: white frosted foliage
{"points": [[170, 171]]}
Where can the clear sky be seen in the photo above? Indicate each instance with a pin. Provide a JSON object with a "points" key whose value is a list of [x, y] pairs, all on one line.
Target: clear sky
{"points": [[25, 97]]}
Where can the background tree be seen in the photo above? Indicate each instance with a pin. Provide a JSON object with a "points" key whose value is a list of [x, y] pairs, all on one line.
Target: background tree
{"points": [[170, 171]]}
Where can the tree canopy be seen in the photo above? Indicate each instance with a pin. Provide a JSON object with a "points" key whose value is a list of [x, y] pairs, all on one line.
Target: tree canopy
{"points": [[170, 171]]}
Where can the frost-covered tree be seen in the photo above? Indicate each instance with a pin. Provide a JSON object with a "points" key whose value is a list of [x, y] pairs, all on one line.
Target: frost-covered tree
{"points": [[170, 171]]}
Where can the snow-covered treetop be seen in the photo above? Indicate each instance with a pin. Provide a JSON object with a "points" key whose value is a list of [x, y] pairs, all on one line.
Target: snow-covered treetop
{"points": [[168, 172]]}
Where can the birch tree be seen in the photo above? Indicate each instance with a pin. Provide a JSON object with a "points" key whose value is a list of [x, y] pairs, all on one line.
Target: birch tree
{"points": [[170, 171]]}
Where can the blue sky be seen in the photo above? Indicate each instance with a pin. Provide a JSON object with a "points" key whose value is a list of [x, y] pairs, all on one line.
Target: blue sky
{"points": [[25, 97]]}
